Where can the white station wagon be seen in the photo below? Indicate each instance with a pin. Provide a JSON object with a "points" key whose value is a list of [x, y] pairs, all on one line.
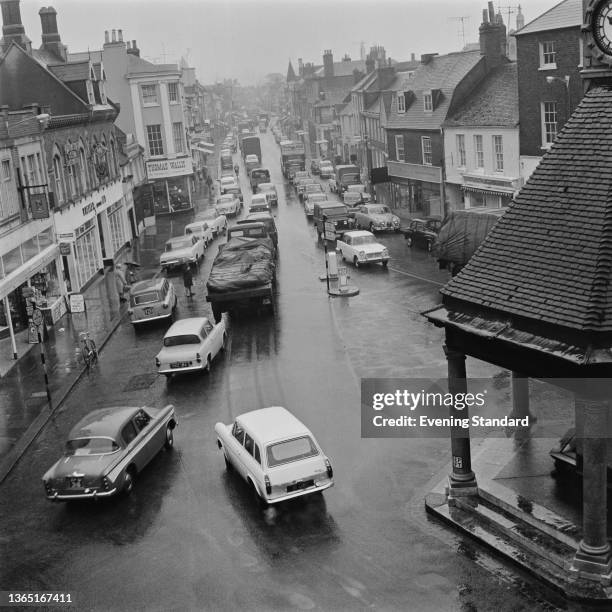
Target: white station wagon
{"points": [[190, 345], [202, 229], [181, 250], [361, 247], [276, 454]]}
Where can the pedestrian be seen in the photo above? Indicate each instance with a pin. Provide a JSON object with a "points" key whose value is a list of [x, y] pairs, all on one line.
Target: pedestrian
{"points": [[236, 168], [120, 283], [187, 280], [209, 183]]}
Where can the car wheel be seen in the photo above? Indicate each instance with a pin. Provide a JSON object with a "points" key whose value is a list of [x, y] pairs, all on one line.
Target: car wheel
{"points": [[429, 246], [372, 227], [208, 367], [224, 342], [128, 481], [384, 263], [355, 262], [409, 241], [169, 443]]}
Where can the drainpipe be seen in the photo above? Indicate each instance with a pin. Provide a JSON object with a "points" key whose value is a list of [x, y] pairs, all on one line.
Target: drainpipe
{"points": [[9, 321]]}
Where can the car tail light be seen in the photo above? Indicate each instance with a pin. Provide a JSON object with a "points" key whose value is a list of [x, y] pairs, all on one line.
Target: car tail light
{"points": [[130, 312], [198, 358], [157, 362], [105, 483], [330, 471], [268, 485], [48, 487], [165, 306]]}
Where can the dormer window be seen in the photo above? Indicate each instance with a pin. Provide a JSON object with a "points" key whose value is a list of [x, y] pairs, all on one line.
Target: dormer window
{"points": [[401, 103], [91, 98], [428, 101]]}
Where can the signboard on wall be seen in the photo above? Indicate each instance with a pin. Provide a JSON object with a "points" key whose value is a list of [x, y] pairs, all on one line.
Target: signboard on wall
{"points": [[166, 168], [77, 302], [39, 205], [64, 248]]}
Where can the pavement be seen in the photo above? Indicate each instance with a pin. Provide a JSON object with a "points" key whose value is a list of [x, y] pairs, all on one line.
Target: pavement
{"points": [[23, 392]]}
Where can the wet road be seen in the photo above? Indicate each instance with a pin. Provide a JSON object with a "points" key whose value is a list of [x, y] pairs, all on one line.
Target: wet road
{"points": [[190, 536]]}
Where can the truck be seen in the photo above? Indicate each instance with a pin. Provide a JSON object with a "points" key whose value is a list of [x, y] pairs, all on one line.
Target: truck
{"points": [[293, 156], [251, 145], [462, 232], [257, 176], [243, 274], [343, 177]]}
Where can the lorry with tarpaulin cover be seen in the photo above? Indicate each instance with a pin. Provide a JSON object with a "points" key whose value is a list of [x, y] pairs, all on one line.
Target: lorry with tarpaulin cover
{"points": [[251, 145], [462, 232], [293, 156], [243, 274]]}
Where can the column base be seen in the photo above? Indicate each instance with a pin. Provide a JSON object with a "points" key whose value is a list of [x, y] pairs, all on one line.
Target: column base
{"points": [[593, 566], [461, 488]]}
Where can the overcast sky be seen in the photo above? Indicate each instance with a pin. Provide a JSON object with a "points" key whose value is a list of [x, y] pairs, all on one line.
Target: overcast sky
{"points": [[247, 39]]}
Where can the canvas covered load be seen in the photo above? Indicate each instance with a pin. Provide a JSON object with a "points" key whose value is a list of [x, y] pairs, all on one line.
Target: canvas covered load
{"points": [[242, 263]]}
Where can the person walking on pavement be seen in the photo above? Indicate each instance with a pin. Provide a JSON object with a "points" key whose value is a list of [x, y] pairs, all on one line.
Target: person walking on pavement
{"points": [[120, 283], [236, 169], [187, 279], [209, 184]]}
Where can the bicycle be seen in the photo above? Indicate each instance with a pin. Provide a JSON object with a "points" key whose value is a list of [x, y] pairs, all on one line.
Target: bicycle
{"points": [[89, 352]]}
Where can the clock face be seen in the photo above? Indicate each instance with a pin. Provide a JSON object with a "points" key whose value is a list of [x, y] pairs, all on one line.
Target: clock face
{"points": [[602, 26]]}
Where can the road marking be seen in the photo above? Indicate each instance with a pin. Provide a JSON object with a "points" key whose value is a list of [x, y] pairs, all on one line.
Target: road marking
{"points": [[427, 280]]}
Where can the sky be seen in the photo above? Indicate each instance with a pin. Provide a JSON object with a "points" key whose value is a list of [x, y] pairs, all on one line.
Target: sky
{"points": [[247, 39]]}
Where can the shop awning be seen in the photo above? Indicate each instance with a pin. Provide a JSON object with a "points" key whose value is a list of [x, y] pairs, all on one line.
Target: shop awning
{"points": [[26, 270], [498, 192], [323, 141]]}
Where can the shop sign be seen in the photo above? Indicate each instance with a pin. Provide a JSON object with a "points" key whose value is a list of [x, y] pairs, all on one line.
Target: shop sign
{"points": [[39, 205], [89, 208], [66, 236], [77, 302], [101, 202], [169, 167], [64, 248]]}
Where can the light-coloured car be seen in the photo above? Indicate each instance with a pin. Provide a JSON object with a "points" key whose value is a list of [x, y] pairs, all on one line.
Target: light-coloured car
{"points": [[190, 345], [251, 161], [270, 190], [181, 250], [151, 300], [218, 223], [228, 205], [359, 189], [300, 185], [310, 189], [107, 449], [312, 199], [326, 170], [259, 203], [299, 174], [226, 182], [234, 190], [201, 229], [376, 217], [361, 247], [275, 453]]}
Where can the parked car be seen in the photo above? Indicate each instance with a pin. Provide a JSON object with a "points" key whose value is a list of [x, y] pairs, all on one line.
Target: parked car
{"points": [[227, 181], [218, 223], [251, 161], [275, 453], [361, 247], [299, 174], [107, 449], [190, 345], [259, 203], [423, 232], [151, 300], [181, 250], [314, 166], [228, 205], [376, 217], [270, 190], [326, 169], [310, 189], [300, 185], [268, 220], [235, 190], [360, 189], [310, 201], [201, 229]]}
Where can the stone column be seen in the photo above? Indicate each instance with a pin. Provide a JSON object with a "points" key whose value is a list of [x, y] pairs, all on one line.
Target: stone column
{"points": [[462, 480], [593, 558]]}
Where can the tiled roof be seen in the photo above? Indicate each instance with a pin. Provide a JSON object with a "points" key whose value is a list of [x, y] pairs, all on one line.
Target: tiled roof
{"points": [[549, 258], [333, 97], [567, 14], [137, 64], [493, 103], [45, 57], [81, 56], [444, 73], [74, 71], [344, 68]]}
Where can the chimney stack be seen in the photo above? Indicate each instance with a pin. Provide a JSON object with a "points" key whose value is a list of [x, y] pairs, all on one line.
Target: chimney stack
{"points": [[328, 64], [413, 57], [106, 37], [119, 35], [492, 36], [133, 50], [51, 40], [427, 57], [300, 66], [12, 28]]}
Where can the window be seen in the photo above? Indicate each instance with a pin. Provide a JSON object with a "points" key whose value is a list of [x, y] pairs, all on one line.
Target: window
{"points": [[478, 151], [399, 148], [149, 94], [156, 146], [548, 56], [498, 151], [426, 146], [461, 160], [128, 433], [6, 169], [141, 420], [207, 329], [249, 444], [257, 455], [428, 102], [549, 123], [401, 103], [173, 92], [238, 433], [57, 175], [177, 135]]}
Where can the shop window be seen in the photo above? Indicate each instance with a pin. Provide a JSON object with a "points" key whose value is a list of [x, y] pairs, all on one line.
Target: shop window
{"points": [[12, 260], [29, 249]]}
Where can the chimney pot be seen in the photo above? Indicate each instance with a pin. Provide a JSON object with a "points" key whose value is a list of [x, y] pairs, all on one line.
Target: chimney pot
{"points": [[491, 13], [120, 35], [413, 57], [114, 36], [106, 37]]}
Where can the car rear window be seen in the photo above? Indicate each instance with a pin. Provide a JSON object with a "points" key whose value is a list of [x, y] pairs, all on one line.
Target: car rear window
{"points": [[181, 339], [91, 446], [291, 450], [145, 298]]}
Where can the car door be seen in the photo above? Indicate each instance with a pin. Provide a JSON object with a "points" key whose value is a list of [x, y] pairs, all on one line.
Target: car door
{"points": [[235, 448], [212, 335], [345, 246], [129, 435], [148, 436], [251, 465]]}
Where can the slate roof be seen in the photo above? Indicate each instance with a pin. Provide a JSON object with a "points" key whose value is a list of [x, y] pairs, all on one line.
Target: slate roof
{"points": [[81, 56], [333, 97], [443, 72], [493, 103], [137, 64], [549, 258], [344, 68], [74, 71], [566, 14]]}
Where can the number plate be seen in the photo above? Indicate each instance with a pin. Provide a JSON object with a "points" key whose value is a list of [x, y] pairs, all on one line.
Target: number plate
{"points": [[148, 311], [180, 364], [75, 482]]}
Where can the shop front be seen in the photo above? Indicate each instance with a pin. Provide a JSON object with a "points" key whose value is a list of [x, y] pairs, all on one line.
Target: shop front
{"points": [[172, 185], [488, 192], [415, 190]]}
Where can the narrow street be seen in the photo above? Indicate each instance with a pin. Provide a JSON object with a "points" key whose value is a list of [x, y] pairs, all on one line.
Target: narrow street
{"points": [[190, 536]]}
